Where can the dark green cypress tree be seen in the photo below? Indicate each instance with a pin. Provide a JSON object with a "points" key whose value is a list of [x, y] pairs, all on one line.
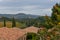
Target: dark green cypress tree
{"points": [[4, 21], [13, 22]]}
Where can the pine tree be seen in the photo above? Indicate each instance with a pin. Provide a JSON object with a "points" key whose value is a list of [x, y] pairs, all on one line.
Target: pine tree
{"points": [[13, 22], [56, 13]]}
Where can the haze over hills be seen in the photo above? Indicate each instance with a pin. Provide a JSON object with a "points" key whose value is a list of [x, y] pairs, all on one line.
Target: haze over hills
{"points": [[19, 15]]}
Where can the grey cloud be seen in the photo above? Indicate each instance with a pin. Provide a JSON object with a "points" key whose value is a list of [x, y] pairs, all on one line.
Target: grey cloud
{"points": [[38, 7]]}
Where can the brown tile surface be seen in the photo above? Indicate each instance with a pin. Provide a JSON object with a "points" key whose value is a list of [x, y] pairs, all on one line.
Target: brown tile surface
{"points": [[31, 29], [10, 33]]}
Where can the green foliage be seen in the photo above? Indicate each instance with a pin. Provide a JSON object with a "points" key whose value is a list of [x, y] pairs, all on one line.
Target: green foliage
{"points": [[42, 33], [48, 22], [4, 21], [58, 18], [13, 22], [32, 36], [22, 26], [56, 13]]}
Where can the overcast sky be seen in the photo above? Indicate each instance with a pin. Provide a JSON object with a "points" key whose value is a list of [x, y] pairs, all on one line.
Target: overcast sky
{"points": [[36, 7]]}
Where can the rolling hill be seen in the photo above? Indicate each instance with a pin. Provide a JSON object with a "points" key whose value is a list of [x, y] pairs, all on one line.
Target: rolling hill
{"points": [[19, 15]]}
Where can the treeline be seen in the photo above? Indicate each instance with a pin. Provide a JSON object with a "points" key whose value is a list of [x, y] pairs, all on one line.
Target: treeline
{"points": [[5, 20], [27, 22]]}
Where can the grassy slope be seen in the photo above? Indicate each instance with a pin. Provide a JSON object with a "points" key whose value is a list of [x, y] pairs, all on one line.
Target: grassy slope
{"points": [[9, 24]]}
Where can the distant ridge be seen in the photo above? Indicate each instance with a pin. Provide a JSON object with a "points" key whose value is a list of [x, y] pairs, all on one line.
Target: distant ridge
{"points": [[19, 15]]}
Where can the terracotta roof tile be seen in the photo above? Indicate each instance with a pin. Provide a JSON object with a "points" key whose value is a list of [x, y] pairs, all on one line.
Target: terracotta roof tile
{"points": [[11, 33], [31, 29]]}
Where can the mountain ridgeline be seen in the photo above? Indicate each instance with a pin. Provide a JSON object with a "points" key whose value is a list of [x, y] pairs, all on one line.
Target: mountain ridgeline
{"points": [[19, 15], [24, 20]]}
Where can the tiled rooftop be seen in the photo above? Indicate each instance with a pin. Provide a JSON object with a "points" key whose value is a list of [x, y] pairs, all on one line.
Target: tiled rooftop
{"points": [[15, 33], [31, 29], [11, 33]]}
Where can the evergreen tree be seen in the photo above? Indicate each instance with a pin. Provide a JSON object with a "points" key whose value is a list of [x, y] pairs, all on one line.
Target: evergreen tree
{"points": [[13, 22], [4, 21], [48, 22], [56, 13]]}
